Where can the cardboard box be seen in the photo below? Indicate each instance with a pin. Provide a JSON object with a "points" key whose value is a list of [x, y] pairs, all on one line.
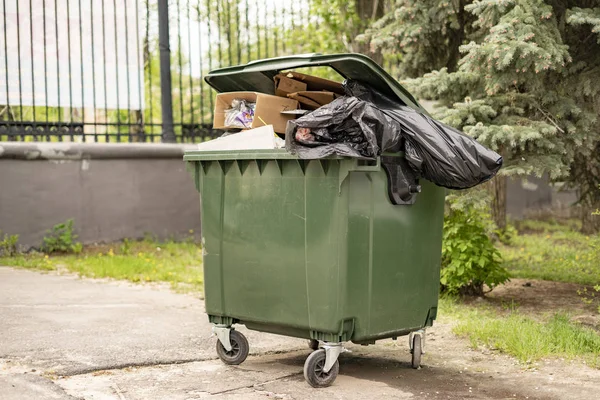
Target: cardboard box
{"points": [[314, 83], [285, 85], [313, 100], [268, 108]]}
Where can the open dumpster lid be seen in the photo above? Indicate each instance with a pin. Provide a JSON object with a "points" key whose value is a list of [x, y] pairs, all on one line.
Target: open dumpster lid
{"points": [[257, 76]]}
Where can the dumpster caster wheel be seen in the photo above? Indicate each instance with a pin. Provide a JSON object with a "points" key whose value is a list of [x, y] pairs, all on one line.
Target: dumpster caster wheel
{"points": [[417, 350], [239, 349], [314, 370], [313, 344]]}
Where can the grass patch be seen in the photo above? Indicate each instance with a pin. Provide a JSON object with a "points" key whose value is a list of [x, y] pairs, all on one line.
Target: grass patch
{"points": [[553, 251], [179, 263], [544, 226], [526, 339]]}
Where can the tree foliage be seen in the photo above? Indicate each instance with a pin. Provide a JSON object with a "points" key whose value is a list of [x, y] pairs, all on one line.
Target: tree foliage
{"points": [[525, 82], [338, 24]]}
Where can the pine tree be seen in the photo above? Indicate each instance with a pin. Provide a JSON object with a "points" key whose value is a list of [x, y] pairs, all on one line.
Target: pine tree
{"points": [[583, 78], [521, 76]]}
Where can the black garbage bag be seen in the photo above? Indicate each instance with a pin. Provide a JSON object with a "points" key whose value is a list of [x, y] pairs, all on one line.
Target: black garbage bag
{"points": [[437, 152], [347, 126], [440, 153]]}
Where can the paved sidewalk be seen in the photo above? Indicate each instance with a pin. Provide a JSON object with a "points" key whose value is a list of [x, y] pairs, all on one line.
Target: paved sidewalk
{"points": [[63, 325], [67, 338]]}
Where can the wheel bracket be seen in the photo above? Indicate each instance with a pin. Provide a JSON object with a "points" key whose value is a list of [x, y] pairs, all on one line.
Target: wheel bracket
{"points": [[222, 332], [332, 352]]}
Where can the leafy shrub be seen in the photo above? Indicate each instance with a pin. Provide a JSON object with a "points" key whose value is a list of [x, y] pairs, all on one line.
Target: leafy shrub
{"points": [[469, 258], [592, 295], [126, 247], [507, 235], [589, 296], [61, 239], [8, 245]]}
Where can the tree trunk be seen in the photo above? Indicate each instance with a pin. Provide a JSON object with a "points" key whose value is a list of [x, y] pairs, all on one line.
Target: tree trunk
{"points": [[364, 48], [456, 40], [369, 11], [137, 130], [590, 220], [497, 188], [585, 172]]}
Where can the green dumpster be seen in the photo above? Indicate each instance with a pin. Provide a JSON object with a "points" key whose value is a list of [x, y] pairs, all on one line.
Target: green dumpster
{"points": [[316, 249]]}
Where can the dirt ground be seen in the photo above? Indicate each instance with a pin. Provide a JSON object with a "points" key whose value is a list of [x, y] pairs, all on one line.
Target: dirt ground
{"points": [[538, 298]]}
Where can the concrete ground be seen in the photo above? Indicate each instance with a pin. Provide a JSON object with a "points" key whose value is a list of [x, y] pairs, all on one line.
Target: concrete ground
{"points": [[62, 337]]}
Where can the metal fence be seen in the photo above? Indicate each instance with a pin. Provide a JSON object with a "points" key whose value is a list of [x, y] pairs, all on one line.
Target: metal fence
{"points": [[131, 70]]}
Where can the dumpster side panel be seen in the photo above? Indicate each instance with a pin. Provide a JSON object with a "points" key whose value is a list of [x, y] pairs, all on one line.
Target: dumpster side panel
{"points": [[360, 242], [408, 274], [210, 182], [394, 257], [271, 240], [324, 277], [263, 242], [314, 248]]}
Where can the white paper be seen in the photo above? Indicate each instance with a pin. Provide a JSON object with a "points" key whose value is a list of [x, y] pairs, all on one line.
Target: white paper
{"points": [[253, 139]]}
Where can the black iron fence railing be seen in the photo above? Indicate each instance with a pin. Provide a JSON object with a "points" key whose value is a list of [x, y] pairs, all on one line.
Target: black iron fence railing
{"points": [[132, 70]]}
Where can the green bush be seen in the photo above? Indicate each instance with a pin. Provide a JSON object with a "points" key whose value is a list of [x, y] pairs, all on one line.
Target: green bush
{"points": [[507, 235], [469, 258], [126, 247], [61, 239], [8, 245]]}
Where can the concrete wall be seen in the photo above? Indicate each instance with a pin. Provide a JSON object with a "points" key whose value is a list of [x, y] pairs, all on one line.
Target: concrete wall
{"points": [[535, 197], [116, 191], [112, 191]]}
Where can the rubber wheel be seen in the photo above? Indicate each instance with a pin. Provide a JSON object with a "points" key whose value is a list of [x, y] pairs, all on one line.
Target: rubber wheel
{"points": [[313, 370], [416, 352], [313, 344], [239, 349]]}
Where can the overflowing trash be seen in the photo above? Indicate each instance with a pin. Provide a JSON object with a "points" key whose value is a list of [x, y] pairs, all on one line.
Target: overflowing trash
{"points": [[322, 118], [246, 110], [313, 100], [240, 115], [366, 124], [252, 139], [346, 127]]}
